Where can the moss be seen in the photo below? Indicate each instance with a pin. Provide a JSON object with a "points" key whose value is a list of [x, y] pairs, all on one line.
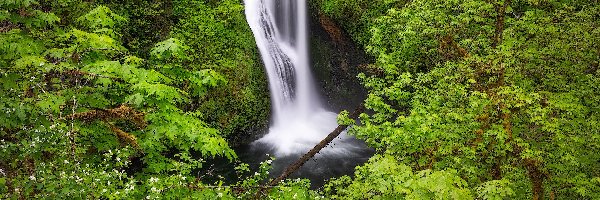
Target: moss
{"points": [[336, 60], [221, 40]]}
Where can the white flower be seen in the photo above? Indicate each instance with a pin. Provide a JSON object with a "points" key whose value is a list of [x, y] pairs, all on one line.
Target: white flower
{"points": [[32, 178], [66, 162], [269, 161], [118, 159], [153, 189], [153, 180]]}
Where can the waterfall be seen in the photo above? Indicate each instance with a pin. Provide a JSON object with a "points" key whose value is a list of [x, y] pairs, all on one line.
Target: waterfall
{"points": [[299, 120]]}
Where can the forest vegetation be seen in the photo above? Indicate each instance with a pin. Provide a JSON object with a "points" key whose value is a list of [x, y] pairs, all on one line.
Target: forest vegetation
{"points": [[467, 99]]}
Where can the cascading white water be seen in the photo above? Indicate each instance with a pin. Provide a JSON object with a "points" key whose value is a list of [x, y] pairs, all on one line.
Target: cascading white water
{"points": [[299, 121]]}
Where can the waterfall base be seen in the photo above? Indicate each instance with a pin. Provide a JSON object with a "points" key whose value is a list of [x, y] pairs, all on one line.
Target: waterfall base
{"points": [[300, 134]]}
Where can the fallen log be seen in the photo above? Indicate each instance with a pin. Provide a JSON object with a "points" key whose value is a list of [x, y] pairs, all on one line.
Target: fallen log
{"points": [[296, 165], [122, 112]]}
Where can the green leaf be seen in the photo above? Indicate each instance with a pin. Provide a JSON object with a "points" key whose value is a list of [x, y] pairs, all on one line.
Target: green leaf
{"points": [[51, 103], [101, 18], [171, 48]]}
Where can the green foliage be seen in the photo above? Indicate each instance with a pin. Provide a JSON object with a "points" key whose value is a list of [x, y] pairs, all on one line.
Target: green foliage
{"points": [[148, 22], [169, 49], [356, 16], [26, 13], [101, 20], [216, 40], [288, 189], [15, 44], [344, 119], [220, 40], [82, 118], [384, 178], [100, 17], [509, 104], [496, 189]]}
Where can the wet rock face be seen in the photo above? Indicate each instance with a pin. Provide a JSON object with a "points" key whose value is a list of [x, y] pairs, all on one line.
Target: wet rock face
{"points": [[335, 60]]}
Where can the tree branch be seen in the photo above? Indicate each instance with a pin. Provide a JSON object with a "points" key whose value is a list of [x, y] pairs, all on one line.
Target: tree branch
{"points": [[501, 13], [127, 137], [122, 112]]}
